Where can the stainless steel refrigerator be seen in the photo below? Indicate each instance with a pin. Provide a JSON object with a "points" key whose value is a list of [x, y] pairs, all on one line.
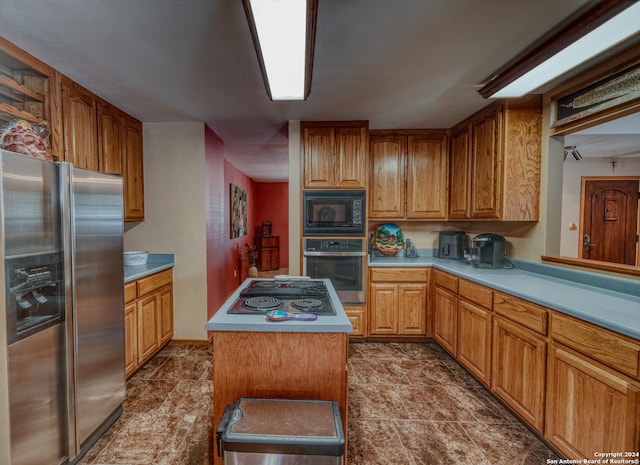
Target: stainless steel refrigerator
{"points": [[61, 239]]}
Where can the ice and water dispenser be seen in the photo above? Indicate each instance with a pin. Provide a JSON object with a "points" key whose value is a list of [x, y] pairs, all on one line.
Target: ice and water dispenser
{"points": [[35, 294]]}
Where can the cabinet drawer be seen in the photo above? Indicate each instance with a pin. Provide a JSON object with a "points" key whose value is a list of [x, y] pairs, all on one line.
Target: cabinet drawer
{"points": [[598, 343], [404, 275], [153, 282], [447, 281], [476, 293], [521, 311], [130, 292]]}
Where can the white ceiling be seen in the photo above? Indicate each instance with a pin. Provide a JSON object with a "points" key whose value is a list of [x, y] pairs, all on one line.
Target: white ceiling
{"points": [[398, 64], [618, 138]]}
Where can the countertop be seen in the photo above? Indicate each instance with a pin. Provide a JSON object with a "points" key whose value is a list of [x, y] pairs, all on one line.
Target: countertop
{"points": [[222, 321], [610, 302], [155, 262]]}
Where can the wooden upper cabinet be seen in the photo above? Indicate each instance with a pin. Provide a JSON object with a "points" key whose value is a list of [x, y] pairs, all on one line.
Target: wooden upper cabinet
{"points": [[133, 170], [335, 154], [486, 188], [351, 157], [387, 179], [85, 129], [427, 169], [460, 172], [495, 162], [319, 167], [408, 176], [110, 138], [80, 123], [30, 91]]}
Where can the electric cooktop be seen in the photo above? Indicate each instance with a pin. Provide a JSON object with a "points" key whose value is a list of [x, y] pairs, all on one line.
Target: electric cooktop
{"points": [[293, 295]]}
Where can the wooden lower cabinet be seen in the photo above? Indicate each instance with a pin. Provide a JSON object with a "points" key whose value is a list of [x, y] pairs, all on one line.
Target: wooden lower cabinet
{"points": [[268, 249], [519, 370], [147, 309], [148, 317], [131, 338], [445, 319], [474, 339], [165, 310], [574, 382], [475, 319], [357, 315], [590, 407], [396, 307]]}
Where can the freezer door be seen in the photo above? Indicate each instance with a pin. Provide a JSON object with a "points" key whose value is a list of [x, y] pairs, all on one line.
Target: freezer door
{"points": [[37, 399], [98, 298], [30, 204]]}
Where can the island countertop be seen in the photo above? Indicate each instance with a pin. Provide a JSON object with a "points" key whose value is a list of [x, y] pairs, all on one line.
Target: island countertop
{"points": [[223, 321]]}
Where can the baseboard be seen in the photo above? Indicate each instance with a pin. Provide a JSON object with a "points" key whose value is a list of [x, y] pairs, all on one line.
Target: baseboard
{"points": [[190, 341]]}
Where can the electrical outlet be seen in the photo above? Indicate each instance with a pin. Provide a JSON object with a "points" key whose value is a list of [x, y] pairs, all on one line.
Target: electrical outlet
{"points": [[235, 273]]}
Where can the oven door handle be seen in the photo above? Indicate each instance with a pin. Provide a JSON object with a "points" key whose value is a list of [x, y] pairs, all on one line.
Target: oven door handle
{"points": [[334, 254]]}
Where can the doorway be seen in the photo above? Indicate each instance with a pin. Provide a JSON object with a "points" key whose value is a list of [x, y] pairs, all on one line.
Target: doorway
{"points": [[609, 222]]}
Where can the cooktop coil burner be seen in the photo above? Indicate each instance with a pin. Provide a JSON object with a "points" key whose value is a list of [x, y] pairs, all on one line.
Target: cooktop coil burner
{"points": [[307, 304], [262, 303], [294, 295]]}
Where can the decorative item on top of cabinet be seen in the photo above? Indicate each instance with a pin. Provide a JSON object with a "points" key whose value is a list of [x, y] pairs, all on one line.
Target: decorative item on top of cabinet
{"points": [[408, 176], [495, 162], [398, 301], [335, 154]]}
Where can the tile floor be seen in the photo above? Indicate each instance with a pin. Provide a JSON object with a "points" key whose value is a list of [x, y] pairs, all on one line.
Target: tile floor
{"points": [[410, 404]]}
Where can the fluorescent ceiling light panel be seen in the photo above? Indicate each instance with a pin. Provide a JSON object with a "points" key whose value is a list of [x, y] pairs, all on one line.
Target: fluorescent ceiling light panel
{"points": [[612, 32], [281, 26]]}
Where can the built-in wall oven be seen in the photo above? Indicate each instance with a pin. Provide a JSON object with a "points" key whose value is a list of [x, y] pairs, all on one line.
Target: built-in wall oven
{"points": [[343, 261]]}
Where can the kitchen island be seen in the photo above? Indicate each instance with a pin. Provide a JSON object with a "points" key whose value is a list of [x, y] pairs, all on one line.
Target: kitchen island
{"points": [[253, 357]]}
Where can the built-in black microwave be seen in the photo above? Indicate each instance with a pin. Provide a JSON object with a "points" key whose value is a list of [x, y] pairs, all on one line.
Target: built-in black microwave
{"points": [[334, 212]]}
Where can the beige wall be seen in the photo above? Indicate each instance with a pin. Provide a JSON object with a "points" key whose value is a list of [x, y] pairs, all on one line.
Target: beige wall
{"points": [[174, 182], [295, 187], [571, 193]]}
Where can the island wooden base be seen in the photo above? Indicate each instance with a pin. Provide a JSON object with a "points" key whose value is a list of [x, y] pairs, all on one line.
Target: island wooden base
{"points": [[279, 366]]}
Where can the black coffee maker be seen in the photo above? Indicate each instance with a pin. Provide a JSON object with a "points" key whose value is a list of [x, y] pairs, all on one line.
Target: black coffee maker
{"points": [[489, 251]]}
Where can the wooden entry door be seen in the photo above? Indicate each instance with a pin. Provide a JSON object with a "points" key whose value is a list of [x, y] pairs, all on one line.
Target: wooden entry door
{"points": [[610, 220]]}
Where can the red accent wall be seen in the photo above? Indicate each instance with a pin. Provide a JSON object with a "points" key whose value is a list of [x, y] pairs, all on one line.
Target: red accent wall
{"points": [[265, 201], [272, 204], [214, 204], [232, 247]]}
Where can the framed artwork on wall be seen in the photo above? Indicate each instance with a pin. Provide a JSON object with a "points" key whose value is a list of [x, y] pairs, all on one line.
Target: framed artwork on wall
{"points": [[238, 211]]}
